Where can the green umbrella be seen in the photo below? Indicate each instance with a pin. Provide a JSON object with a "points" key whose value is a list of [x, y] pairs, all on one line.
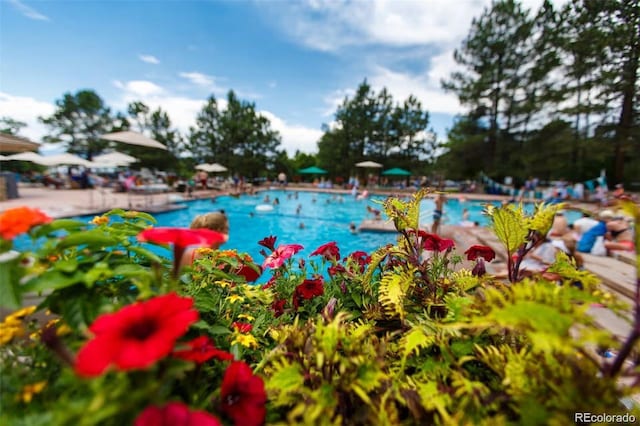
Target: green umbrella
{"points": [[313, 170], [396, 172]]}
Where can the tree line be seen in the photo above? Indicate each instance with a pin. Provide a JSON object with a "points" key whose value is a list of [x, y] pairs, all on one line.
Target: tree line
{"points": [[551, 93]]}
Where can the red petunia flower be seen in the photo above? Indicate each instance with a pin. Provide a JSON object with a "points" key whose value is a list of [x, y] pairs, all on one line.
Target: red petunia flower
{"points": [[360, 257], [201, 349], [336, 269], [280, 255], [137, 335], [18, 220], [181, 238], [243, 395], [242, 327], [278, 307], [175, 414], [268, 242], [434, 242], [484, 252], [329, 251], [249, 272], [310, 288]]}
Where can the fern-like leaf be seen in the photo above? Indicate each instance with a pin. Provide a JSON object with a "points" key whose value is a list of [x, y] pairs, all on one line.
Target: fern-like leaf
{"points": [[510, 227]]}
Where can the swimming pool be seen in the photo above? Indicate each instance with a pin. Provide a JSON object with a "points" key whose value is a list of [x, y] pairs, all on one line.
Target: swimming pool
{"points": [[325, 217]]}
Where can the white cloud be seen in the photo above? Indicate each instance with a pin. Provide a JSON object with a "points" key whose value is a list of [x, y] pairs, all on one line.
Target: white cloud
{"points": [[28, 11], [198, 78], [140, 88], [294, 137], [27, 110], [330, 25], [203, 80], [150, 59]]}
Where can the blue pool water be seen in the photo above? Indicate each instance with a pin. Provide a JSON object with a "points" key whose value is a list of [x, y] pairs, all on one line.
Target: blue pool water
{"points": [[326, 217]]}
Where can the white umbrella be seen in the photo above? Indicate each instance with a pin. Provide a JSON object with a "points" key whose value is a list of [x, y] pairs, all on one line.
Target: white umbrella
{"points": [[115, 158], [11, 143], [133, 138], [65, 159], [28, 156], [369, 164], [211, 168]]}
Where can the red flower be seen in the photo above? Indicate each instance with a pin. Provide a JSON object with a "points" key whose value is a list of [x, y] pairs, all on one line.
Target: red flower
{"points": [[280, 255], [137, 335], [336, 269], [268, 242], [175, 414], [329, 251], [434, 242], [18, 220], [201, 349], [242, 327], [278, 307], [243, 395], [484, 252], [182, 237], [360, 257], [310, 288], [249, 272]]}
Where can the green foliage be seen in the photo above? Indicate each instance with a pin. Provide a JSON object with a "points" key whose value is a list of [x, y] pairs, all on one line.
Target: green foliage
{"points": [[403, 337]]}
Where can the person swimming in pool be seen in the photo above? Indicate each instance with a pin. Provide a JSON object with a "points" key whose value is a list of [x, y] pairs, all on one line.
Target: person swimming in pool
{"points": [[437, 213]]}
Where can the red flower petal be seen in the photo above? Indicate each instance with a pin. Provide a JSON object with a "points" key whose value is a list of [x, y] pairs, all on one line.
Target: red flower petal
{"points": [[329, 251], [182, 237], [242, 327], [202, 349], [476, 251], [136, 336], [175, 414], [243, 395]]}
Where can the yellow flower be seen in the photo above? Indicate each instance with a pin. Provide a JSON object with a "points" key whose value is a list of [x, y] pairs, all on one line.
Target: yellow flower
{"points": [[10, 331], [222, 283], [27, 392], [62, 329], [235, 298], [246, 316], [203, 251], [246, 340], [21, 313], [100, 220]]}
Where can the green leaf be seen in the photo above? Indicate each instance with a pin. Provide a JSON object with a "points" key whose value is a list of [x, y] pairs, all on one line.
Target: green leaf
{"points": [[58, 224], [10, 295], [147, 254], [66, 265], [510, 228], [91, 238], [53, 280]]}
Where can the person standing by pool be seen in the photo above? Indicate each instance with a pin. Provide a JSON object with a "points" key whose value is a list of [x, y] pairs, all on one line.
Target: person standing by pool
{"points": [[437, 213], [215, 221]]}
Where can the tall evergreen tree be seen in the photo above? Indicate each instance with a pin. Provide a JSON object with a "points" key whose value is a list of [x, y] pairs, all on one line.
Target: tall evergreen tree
{"points": [[78, 121]]}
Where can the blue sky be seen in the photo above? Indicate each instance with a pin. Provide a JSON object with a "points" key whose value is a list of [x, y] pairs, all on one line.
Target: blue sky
{"points": [[296, 60]]}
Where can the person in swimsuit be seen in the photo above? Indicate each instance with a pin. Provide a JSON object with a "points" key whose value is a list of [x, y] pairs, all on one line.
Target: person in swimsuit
{"points": [[437, 213], [216, 221], [619, 236]]}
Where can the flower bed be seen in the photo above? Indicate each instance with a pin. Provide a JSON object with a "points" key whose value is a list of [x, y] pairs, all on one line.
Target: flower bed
{"points": [[402, 335]]}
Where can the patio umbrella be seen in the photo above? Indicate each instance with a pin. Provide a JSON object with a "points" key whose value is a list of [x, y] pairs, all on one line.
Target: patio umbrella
{"points": [[116, 158], [27, 156], [11, 143], [211, 168], [133, 138], [65, 159], [396, 171], [369, 164], [313, 170]]}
